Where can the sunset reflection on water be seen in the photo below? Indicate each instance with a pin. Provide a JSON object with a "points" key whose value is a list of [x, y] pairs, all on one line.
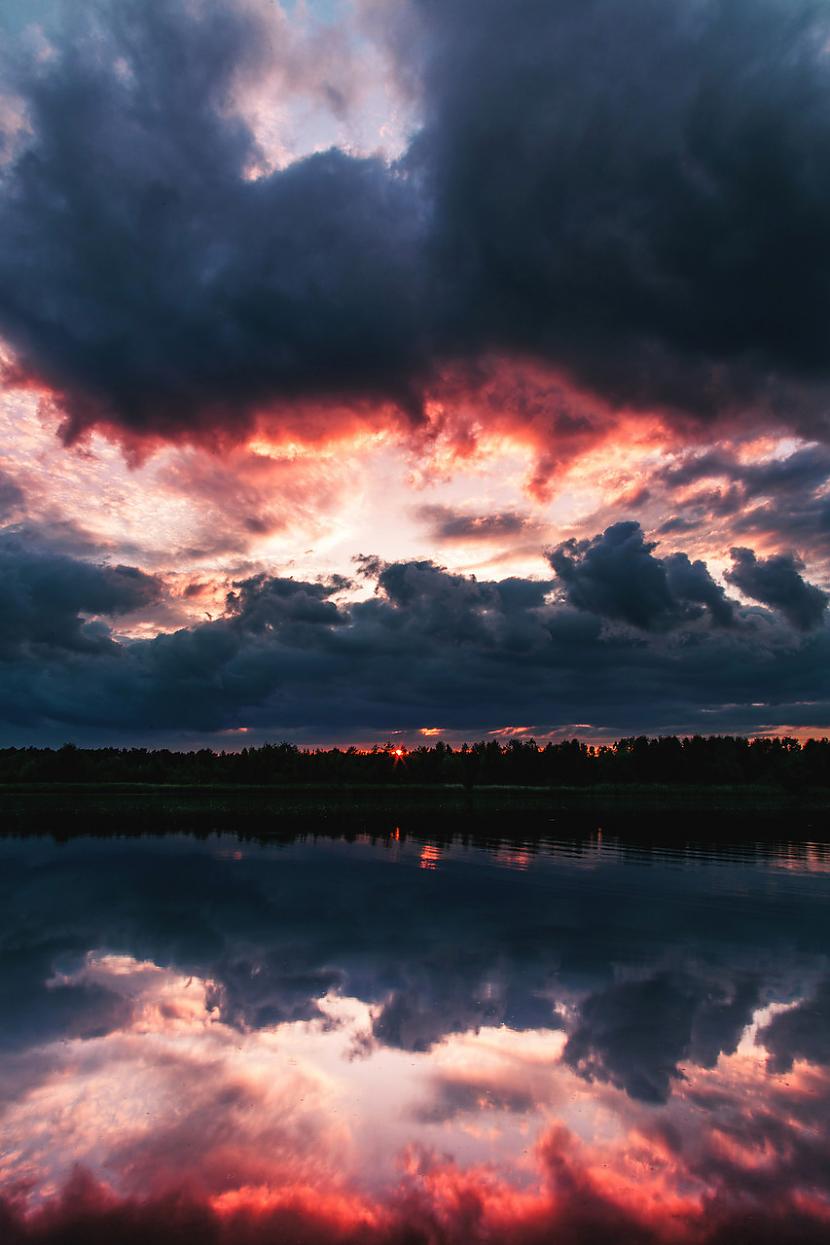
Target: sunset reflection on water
{"points": [[399, 1040]]}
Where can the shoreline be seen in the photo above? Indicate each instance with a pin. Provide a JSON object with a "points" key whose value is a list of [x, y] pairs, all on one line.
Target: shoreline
{"points": [[33, 798]]}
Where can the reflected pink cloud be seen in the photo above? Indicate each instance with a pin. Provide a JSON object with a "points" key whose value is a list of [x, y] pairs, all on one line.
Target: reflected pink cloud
{"points": [[175, 1122]]}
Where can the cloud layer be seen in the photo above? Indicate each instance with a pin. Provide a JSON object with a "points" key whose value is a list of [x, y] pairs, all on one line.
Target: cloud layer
{"points": [[630, 1066], [637, 204], [619, 637], [602, 245]]}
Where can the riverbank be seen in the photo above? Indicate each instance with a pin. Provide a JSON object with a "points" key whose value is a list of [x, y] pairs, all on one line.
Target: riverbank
{"points": [[146, 800]]}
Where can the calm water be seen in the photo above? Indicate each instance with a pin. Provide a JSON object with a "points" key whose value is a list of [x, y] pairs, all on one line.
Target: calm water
{"points": [[393, 1040]]}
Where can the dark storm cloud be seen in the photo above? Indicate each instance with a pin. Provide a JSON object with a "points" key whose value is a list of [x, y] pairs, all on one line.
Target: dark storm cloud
{"points": [[46, 600], [427, 646], [727, 492], [777, 582], [146, 280], [691, 582], [637, 198], [639, 195], [264, 602], [617, 576]]}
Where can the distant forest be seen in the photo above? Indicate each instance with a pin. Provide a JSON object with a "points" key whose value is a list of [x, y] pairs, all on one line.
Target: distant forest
{"points": [[711, 760]]}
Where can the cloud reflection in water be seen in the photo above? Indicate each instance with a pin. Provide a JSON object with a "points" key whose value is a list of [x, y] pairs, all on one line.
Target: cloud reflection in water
{"points": [[323, 1042]]}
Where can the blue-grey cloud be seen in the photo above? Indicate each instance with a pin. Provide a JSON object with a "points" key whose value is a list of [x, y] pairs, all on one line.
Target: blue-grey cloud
{"points": [[801, 1032], [50, 602], [777, 582], [644, 995], [147, 280], [617, 576], [635, 1034], [620, 638]]}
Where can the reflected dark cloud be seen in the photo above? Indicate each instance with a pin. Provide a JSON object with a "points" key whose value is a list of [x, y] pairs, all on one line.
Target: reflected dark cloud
{"points": [[275, 932], [636, 1033], [643, 970], [458, 995], [35, 1008], [261, 990], [453, 1096], [801, 1033]]}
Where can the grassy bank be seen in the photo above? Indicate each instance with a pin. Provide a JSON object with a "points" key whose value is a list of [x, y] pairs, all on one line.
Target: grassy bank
{"points": [[149, 800]]}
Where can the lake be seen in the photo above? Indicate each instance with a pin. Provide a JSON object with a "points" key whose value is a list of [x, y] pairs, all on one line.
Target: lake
{"points": [[397, 1038]]}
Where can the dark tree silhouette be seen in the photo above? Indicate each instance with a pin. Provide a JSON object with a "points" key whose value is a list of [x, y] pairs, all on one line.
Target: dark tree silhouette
{"points": [[698, 760]]}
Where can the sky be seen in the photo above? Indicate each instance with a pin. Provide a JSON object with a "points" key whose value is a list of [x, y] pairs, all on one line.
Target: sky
{"points": [[396, 368]]}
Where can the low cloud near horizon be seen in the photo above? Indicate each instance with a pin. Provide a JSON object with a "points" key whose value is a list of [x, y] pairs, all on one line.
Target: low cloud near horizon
{"points": [[619, 637]]}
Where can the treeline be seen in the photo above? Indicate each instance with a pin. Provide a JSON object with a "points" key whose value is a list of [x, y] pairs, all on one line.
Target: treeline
{"points": [[711, 760]]}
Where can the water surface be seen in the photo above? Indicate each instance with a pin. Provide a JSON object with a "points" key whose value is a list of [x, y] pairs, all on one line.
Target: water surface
{"points": [[405, 1039]]}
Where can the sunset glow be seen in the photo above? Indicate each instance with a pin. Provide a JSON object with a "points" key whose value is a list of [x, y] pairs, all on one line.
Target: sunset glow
{"points": [[417, 364], [414, 630]]}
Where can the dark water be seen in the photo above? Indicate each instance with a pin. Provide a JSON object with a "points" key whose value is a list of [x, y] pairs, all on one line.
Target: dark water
{"points": [[400, 1040]]}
